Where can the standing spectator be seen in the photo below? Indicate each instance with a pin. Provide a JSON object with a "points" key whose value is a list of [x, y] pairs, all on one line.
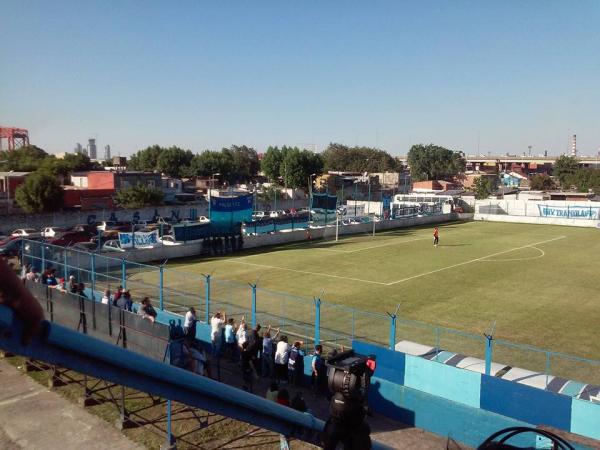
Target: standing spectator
{"points": [[45, 274], [189, 324], [230, 339], [124, 301], [248, 371], [256, 345], [147, 311], [283, 397], [272, 391], [72, 285], [51, 278], [216, 328], [371, 366], [195, 358], [242, 333], [106, 297], [298, 402], [81, 290], [267, 354], [32, 275], [319, 374], [117, 295], [296, 363], [281, 359], [25, 270]]}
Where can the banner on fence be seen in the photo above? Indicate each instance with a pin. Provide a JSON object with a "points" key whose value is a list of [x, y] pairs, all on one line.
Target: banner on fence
{"points": [[138, 239], [569, 212]]}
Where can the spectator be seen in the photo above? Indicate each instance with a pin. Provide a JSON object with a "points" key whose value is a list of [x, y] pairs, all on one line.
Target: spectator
{"points": [[267, 354], [248, 371], [281, 359], [81, 290], [124, 301], [319, 374], [216, 328], [45, 275], [255, 341], [230, 338], [25, 268], [298, 402], [272, 391], [195, 358], [32, 275], [283, 397], [106, 297], [189, 324], [147, 311], [73, 285], [51, 278], [242, 333], [296, 363], [117, 295]]}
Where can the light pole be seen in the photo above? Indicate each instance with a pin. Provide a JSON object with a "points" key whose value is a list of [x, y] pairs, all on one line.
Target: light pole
{"points": [[210, 187]]}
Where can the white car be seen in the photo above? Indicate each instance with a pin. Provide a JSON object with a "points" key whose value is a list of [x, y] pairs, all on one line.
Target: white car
{"points": [[112, 246], [50, 232], [257, 215], [169, 240], [279, 213], [203, 219], [24, 232]]}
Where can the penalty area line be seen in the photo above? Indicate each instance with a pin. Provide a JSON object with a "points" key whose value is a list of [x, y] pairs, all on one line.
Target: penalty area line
{"points": [[482, 258], [304, 272]]}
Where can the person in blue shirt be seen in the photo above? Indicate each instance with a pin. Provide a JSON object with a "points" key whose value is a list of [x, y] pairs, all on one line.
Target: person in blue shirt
{"points": [[296, 364], [319, 372]]}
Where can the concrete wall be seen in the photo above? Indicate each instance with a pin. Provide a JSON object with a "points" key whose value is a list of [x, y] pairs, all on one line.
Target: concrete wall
{"points": [[538, 220]]}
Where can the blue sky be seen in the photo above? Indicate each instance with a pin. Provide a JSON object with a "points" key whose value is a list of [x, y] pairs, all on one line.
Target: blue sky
{"points": [[499, 75]]}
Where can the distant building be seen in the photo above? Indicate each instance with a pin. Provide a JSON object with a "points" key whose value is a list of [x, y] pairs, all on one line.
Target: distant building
{"points": [[78, 148], [9, 182], [92, 152], [122, 180], [107, 153], [88, 199], [433, 186], [119, 162]]}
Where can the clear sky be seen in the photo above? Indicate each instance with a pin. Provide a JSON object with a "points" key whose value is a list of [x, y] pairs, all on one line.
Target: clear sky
{"points": [[499, 75]]}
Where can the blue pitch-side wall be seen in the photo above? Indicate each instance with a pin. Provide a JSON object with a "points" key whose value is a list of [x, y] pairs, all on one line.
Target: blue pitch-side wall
{"points": [[468, 406]]}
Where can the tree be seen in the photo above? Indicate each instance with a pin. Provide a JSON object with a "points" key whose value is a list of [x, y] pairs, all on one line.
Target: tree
{"points": [[542, 182], [271, 163], [244, 163], [78, 162], [483, 187], [432, 162], [24, 159], [174, 161], [139, 196], [298, 165], [209, 162], [146, 159], [565, 166], [585, 180], [41, 192], [357, 159]]}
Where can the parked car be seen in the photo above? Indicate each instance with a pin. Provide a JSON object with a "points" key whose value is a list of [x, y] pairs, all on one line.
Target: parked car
{"points": [[11, 246], [112, 246], [257, 215], [71, 237], [24, 232], [50, 232], [83, 227], [203, 219], [108, 225], [279, 213], [169, 240]]}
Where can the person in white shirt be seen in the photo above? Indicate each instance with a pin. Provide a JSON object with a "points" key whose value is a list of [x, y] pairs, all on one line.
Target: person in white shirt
{"points": [[106, 297], [242, 333], [282, 353], [189, 324], [216, 328]]}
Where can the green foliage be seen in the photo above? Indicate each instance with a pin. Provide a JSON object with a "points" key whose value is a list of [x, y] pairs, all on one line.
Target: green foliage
{"points": [[146, 159], [244, 161], [139, 196], [208, 163], [41, 192], [271, 163], [542, 182], [358, 159], [291, 165], [24, 159], [174, 161], [432, 162], [269, 194], [483, 187], [584, 180], [564, 167]]}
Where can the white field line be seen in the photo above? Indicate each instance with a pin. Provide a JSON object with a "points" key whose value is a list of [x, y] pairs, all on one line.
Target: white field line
{"points": [[541, 255], [236, 260], [473, 260]]}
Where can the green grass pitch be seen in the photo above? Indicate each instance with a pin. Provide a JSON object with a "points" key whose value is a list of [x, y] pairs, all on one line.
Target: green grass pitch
{"points": [[540, 284]]}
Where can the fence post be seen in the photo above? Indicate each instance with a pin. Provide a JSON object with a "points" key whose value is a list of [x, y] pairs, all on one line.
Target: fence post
{"points": [[93, 273], [488, 353], [207, 297], [393, 318], [66, 266], [160, 287], [170, 444], [43, 258], [353, 323], [23, 252], [123, 273], [317, 320], [253, 286], [547, 367]]}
